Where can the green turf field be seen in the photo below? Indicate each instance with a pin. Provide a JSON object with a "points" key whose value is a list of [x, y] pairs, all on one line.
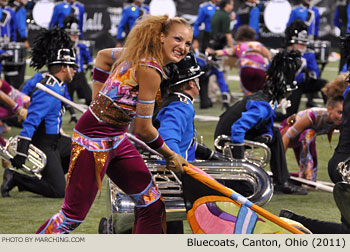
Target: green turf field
{"points": [[24, 212]]}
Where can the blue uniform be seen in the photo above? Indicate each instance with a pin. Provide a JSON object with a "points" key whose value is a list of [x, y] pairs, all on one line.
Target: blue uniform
{"points": [[219, 74], [82, 56], [342, 17], [129, 16], [44, 108], [62, 10], [258, 114], [176, 125], [8, 24], [205, 13], [248, 15], [310, 16], [21, 20], [251, 118], [30, 85], [311, 67]]}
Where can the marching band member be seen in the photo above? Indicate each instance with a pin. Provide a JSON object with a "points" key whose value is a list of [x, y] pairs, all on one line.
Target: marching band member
{"points": [[253, 57], [310, 15], [21, 32], [300, 131], [79, 83], [65, 9], [99, 142], [205, 13], [342, 151], [43, 122], [252, 118], [176, 115], [8, 23], [8, 34], [248, 13], [128, 19], [308, 79]]}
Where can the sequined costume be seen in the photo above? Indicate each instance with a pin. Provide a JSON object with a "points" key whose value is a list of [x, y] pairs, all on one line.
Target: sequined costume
{"points": [[304, 146], [100, 147]]}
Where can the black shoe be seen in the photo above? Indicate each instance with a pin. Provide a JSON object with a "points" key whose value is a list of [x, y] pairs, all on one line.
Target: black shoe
{"points": [[288, 188], [286, 214], [311, 104], [7, 183]]}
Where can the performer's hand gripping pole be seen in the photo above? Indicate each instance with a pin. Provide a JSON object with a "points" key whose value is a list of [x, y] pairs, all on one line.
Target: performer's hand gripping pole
{"points": [[82, 110]]}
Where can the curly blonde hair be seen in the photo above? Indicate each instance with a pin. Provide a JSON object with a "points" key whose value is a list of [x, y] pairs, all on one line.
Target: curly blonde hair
{"points": [[144, 40], [336, 87]]}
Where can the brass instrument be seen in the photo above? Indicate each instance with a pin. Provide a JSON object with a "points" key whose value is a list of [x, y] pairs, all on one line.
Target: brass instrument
{"points": [[258, 153], [344, 170], [230, 173], [35, 162], [121, 207]]}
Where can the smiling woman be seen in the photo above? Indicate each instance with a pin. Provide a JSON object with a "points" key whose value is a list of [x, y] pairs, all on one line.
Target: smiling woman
{"points": [[99, 142]]}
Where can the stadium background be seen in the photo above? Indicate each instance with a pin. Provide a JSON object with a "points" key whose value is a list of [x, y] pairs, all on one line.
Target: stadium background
{"points": [[102, 17]]}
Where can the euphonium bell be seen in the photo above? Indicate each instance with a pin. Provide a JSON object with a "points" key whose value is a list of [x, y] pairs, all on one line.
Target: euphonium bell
{"points": [[35, 162]]}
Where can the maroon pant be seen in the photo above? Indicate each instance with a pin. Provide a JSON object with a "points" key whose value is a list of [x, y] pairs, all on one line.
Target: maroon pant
{"points": [[127, 170], [252, 79]]}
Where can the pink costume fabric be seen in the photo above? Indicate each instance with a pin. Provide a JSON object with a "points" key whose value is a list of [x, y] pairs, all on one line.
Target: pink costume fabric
{"points": [[304, 145], [20, 98], [99, 147], [252, 66]]}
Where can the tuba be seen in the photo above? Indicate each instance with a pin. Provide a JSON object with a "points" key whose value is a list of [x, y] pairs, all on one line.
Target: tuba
{"points": [[35, 162], [121, 207], [258, 153]]}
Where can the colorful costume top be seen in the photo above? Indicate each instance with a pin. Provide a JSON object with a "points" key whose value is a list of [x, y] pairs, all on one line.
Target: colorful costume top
{"points": [[45, 111], [310, 16], [176, 124], [304, 144], [205, 13], [251, 117], [248, 15], [129, 16], [116, 102], [8, 25], [62, 10], [250, 55], [317, 117]]}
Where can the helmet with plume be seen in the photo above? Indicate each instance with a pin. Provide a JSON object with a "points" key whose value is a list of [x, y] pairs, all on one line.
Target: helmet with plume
{"points": [[70, 24], [296, 33], [52, 47], [281, 74]]}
